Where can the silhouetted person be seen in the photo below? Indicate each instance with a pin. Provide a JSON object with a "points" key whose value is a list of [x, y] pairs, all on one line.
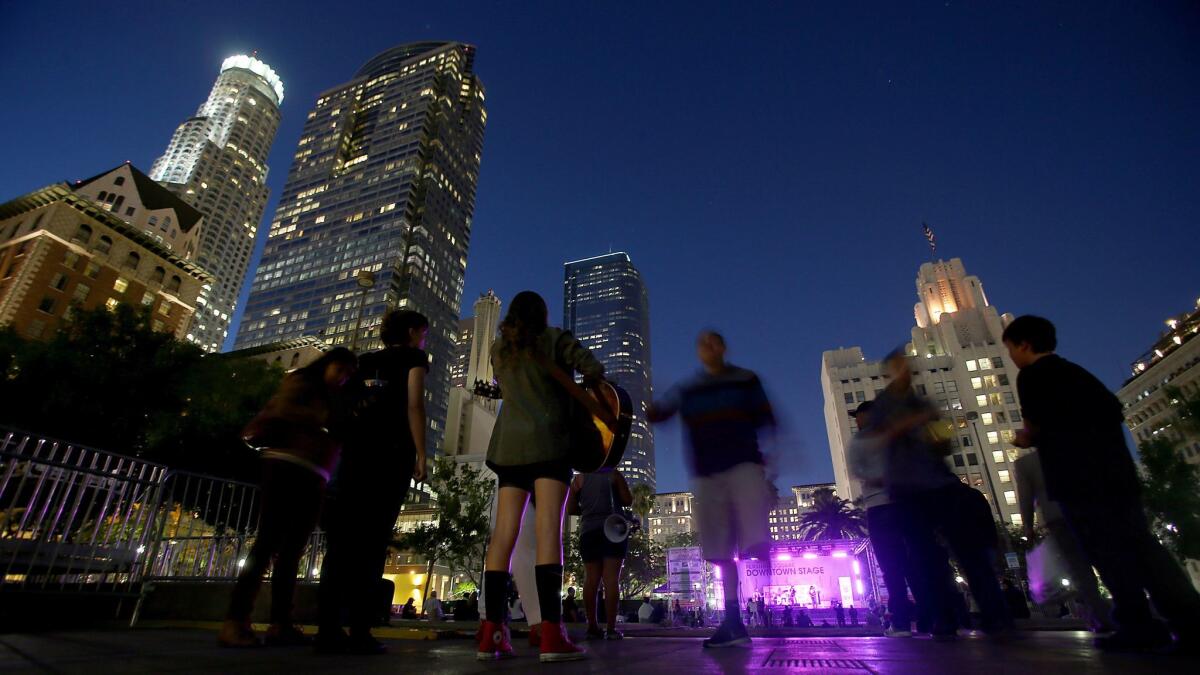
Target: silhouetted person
{"points": [[867, 458], [935, 501], [839, 612], [1077, 426], [853, 616], [804, 620], [298, 435], [1031, 491], [596, 497], [763, 615], [384, 450], [723, 408], [787, 616], [409, 611]]}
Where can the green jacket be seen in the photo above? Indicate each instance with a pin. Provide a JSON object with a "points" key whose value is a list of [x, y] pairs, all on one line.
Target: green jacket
{"points": [[533, 421]]}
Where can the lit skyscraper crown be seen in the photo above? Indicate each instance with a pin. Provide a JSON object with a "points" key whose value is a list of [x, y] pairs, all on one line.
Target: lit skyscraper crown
{"points": [[258, 68]]}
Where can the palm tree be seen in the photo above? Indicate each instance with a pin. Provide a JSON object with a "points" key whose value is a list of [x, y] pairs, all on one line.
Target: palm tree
{"points": [[831, 518], [643, 503]]}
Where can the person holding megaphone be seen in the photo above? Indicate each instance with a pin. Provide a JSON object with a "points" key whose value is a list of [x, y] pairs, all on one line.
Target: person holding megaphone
{"points": [[600, 500]]}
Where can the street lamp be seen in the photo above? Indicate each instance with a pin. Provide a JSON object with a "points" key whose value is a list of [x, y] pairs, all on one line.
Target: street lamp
{"points": [[972, 416], [366, 281]]}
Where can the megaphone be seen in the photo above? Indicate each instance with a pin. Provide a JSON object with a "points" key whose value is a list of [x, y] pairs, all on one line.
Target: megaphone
{"points": [[616, 528]]}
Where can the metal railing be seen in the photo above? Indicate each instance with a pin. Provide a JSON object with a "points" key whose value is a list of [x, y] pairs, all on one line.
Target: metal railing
{"points": [[71, 517], [76, 519]]}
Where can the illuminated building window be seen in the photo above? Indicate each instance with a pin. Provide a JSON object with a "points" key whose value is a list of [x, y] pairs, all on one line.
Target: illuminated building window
{"points": [[1010, 497], [120, 285], [998, 456], [1004, 476], [972, 366]]}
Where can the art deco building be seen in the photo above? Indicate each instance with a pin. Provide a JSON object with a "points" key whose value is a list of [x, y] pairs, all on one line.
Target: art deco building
{"points": [[672, 515], [471, 416], [960, 364], [376, 212], [217, 162], [606, 307], [61, 252]]}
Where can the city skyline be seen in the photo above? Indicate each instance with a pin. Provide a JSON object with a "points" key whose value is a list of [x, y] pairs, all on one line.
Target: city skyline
{"points": [[1054, 151], [376, 212]]}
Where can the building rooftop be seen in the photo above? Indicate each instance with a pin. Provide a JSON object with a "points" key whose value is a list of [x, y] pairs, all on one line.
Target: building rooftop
{"points": [[1180, 329], [61, 192], [154, 196]]}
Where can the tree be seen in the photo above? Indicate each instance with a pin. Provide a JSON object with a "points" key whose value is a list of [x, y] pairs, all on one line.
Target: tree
{"points": [[645, 567], [831, 518], [1170, 484], [108, 380], [643, 502], [682, 540], [459, 535]]}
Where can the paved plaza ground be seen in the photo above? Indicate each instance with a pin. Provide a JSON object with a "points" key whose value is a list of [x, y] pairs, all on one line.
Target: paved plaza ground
{"points": [[194, 650]]}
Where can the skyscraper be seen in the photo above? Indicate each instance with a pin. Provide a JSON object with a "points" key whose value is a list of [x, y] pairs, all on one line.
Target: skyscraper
{"points": [[217, 162], [383, 183], [605, 306], [960, 364]]}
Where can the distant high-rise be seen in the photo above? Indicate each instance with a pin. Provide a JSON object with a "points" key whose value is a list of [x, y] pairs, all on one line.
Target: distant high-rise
{"points": [[383, 182], [461, 360], [217, 162], [472, 417], [960, 364], [605, 306]]}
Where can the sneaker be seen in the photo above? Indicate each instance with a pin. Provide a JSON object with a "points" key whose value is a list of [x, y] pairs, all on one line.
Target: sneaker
{"points": [[365, 645], [613, 634], [237, 634], [897, 633], [593, 633], [556, 646], [728, 636], [1134, 641], [494, 642], [535, 636], [330, 642], [281, 635]]}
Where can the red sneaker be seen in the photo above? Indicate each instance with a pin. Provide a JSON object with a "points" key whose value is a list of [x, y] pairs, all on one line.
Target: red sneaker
{"points": [[494, 642], [535, 636], [556, 646]]}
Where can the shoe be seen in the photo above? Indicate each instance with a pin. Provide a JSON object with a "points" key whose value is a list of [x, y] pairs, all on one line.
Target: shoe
{"points": [[237, 634], [556, 646], [613, 634], [728, 636], [286, 635], [494, 642], [535, 636], [331, 641], [594, 633], [897, 633], [1134, 641], [365, 644]]}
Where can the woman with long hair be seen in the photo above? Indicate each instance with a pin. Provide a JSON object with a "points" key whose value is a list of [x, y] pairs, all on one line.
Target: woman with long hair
{"points": [[299, 451], [529, 454]]}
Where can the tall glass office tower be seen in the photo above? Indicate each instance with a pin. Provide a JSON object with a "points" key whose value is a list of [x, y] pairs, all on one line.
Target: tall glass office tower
{"points": [[606, 307], [217, 162], [376, 212]]}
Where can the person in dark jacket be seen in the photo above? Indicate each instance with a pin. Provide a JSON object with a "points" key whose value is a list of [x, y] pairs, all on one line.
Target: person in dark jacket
{"points": [[299, 451], [1076, 423], [385, 449]]}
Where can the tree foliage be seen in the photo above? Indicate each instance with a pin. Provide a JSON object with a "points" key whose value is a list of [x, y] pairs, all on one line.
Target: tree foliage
{"points": [[1171, 484], [109, 381], [831, 517], [459, 536], [645, 566]]}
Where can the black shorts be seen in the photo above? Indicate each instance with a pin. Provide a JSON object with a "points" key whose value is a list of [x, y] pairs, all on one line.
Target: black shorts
{"points": [[522, 476], [595, 547]]}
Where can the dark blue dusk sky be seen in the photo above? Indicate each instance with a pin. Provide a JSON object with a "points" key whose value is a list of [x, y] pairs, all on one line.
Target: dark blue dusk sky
{"points": [[766, 165]]}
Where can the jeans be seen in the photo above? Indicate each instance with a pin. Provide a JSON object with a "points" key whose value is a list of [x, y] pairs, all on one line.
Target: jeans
{"points": [[358, 530], [1117, 539], [886, 526], [291, 503]]}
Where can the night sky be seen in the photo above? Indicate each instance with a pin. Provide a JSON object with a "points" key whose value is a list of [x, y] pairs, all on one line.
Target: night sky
{"points": [[767, 166]]}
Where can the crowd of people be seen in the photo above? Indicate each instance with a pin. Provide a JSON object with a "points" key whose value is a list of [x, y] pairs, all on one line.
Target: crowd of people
{"points": [[343, 432]]}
